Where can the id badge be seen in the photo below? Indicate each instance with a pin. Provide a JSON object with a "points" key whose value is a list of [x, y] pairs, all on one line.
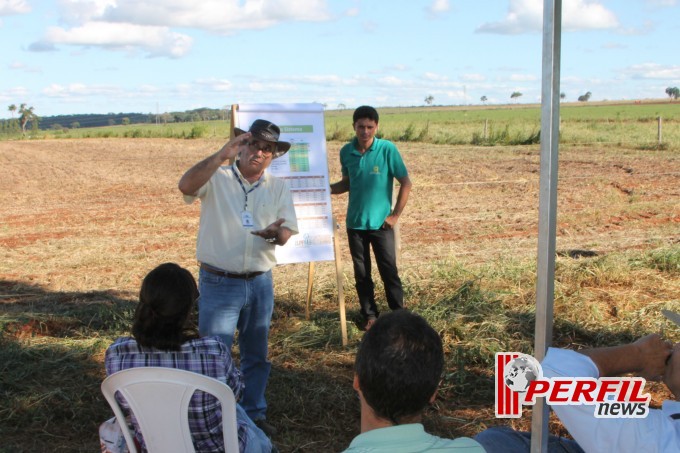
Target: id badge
{"points": [[247, 219]]}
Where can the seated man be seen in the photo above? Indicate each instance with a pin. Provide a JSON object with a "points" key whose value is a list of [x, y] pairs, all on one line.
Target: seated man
{"points": [[164, 336], [397, 371], [647, 357]]}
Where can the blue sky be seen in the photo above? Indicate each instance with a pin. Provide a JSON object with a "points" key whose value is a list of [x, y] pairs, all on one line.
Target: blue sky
{"points": [[99, 56]]}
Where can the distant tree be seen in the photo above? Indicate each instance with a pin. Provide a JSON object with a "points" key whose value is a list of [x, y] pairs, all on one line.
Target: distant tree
{"points": [[429, 99], [483, 99], [562, 95], [111, 122], [515, 95], [75, 125], [26, 115], [125, 121], [13, 108], [673, 93], [56, 127], [585, 97], [341, 106]]}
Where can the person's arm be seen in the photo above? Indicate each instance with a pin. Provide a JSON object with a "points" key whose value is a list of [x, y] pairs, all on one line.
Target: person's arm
{"points": [[645, 357], [341, 186], [671, 376], [608, 434], [199, 174], [402, 198]]}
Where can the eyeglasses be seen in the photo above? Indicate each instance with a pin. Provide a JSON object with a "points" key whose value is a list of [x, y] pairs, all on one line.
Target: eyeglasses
{"points": [[266, 148]]}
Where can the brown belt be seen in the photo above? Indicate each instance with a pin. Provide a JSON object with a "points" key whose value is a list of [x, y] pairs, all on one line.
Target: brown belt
{"points": [[221, 273]]}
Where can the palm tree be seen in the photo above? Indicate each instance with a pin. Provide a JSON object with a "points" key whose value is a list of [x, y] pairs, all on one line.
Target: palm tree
{"points": [[26, 115], [12, 108]]}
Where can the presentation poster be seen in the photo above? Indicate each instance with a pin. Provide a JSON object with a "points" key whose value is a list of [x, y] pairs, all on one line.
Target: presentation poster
{"points": [[305, 168]]}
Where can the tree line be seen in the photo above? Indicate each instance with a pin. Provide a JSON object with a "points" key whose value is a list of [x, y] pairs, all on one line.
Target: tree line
{"points": [[25, 118]]}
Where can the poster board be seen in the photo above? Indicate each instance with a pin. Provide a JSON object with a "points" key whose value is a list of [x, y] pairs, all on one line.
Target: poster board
{"points": [[305, 168]]}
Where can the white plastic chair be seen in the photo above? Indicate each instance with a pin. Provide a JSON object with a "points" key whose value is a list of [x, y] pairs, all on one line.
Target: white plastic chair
{"points": [[159, 398]]}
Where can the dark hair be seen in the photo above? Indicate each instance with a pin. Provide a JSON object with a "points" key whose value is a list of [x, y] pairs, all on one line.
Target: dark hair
{"points": [[166, 301], [399, 365], [365, 111]]}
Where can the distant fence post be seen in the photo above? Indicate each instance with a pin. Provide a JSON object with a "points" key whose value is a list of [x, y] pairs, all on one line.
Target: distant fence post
{"points": [[659, 134]]}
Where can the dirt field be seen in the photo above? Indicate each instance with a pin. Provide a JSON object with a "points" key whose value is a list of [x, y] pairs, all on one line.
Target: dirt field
{"points": [[95, 215]]}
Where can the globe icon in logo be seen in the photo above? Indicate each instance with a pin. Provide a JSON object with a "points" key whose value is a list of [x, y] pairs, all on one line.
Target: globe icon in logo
{"points": [[520, 371]]}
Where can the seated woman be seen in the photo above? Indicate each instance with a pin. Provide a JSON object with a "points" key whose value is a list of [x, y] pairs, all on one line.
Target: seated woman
{"points": [[163, 336]]}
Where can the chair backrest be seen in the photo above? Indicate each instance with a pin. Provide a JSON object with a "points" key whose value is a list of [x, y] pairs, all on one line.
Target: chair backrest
{"points": [[159, 398]]}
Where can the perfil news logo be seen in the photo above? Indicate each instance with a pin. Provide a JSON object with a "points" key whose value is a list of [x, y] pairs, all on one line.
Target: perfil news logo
{"points": [[519, 381]]}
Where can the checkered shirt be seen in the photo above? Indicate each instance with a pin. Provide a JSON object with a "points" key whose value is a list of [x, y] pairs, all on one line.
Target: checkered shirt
{"points": [[208, 356]]}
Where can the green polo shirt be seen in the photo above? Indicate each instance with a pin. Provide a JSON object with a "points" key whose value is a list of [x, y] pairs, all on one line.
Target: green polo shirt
{"points": [[371, 179], [409, 438]]}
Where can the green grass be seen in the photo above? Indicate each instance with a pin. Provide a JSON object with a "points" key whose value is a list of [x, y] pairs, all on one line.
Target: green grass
{"points": [[51, 345], [633, 125]]}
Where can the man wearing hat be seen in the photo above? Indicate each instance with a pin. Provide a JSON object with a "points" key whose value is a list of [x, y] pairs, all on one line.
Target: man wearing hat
{"points": [[245, 213]]}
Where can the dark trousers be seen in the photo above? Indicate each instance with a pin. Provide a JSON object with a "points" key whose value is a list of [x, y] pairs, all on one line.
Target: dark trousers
{"points": [[382, 242]]}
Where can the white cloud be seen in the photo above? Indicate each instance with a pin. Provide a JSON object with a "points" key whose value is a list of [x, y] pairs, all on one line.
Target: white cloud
{"points": [[438, 7], [391, 81], [12, 94], [587, 15], [77, 12], [472, 77], [653, 71], [79, 90], [526, 16], [213, 84], [12, 7], [156, 41], [146, 26], [434, 77], [221, 16]]}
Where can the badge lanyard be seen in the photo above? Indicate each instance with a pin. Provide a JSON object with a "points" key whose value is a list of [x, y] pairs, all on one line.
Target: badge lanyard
{"points": [[246, 217]]}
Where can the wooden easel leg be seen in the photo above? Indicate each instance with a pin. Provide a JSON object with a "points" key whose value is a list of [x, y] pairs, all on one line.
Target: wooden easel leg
{"points": [[310, 285]]}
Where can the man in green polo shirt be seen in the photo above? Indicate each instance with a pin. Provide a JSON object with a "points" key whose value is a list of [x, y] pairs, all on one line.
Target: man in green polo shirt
{"points": [[369, 167]]}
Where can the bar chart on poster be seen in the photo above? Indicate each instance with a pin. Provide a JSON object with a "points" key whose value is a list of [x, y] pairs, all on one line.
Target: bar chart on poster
{"points": [[305, 168]]}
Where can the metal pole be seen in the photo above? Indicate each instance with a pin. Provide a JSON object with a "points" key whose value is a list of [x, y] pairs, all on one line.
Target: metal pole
{"points": [[547, 206]]}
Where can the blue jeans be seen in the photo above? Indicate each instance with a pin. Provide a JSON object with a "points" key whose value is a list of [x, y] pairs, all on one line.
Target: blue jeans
{"points": [[382, 242], [226, 304], [504, 439], [257, 442]]}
